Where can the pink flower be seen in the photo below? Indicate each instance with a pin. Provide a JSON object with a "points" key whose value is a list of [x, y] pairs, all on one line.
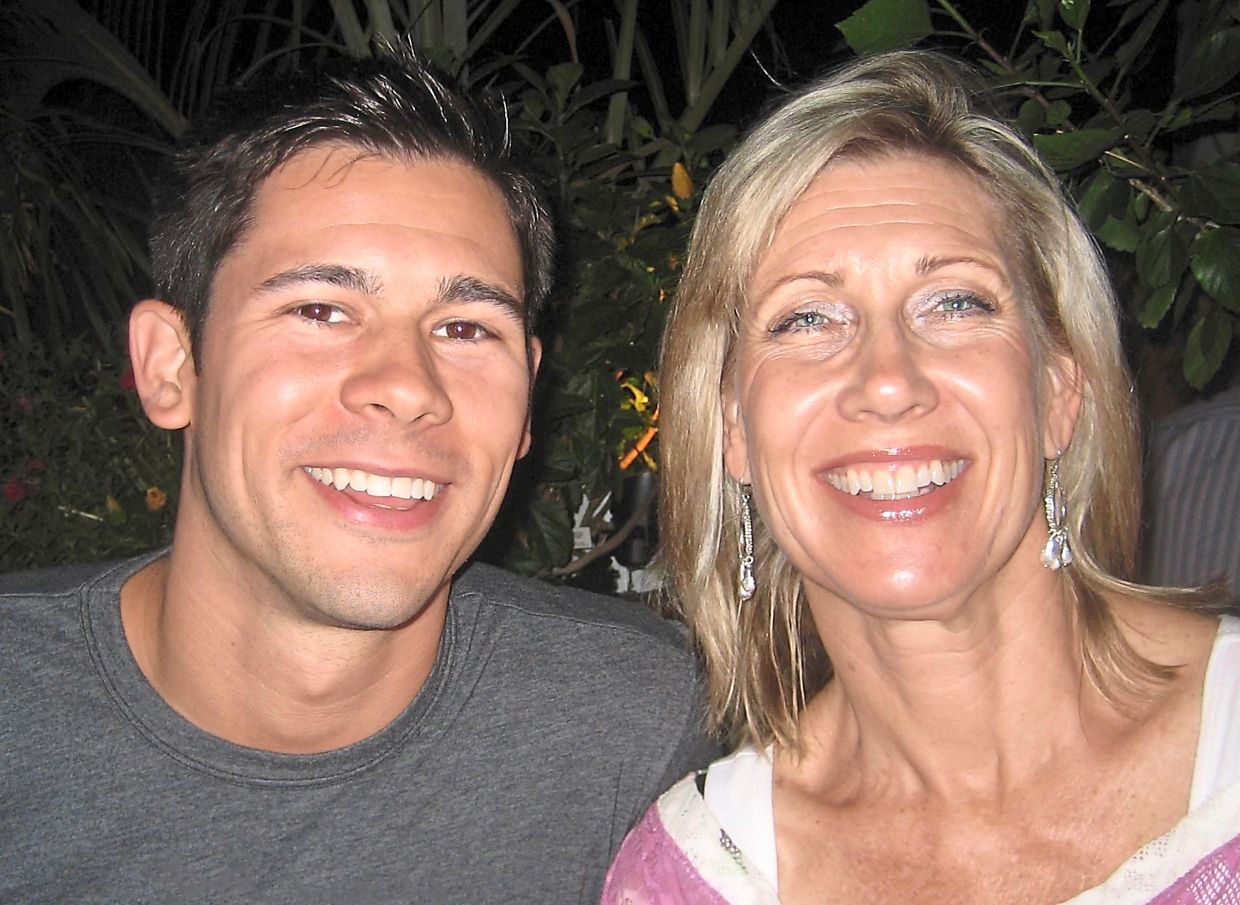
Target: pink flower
{"points": [[14, 491]]}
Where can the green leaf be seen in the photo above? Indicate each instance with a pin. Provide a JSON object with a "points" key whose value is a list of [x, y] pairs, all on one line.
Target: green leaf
{"points": [[550, 531], [597, 90], [641, 126], [1206, 348], [1135, 45], [562, 77], [1157, 305], [1221, 111], [69, 43], [1209, 64], [1216, 265], [1074, 12], [1138, 123], [1104, 196], [886, 24], [1054, 40], [712, 138], [1098, 70], [1030, 117], [1120, 234], [1041, 13], [558, 464], [1058, 112], [1161, 256], [1069, 150], [1214, 192]]}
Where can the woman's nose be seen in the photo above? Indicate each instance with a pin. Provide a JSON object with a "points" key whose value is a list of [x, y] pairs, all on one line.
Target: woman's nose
{"points": [[889, 381]]}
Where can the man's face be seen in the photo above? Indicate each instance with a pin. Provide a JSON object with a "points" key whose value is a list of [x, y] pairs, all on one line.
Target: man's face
{"points": [[363, 390]]}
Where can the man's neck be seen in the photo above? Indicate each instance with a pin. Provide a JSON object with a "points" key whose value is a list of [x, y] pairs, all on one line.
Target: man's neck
{"points": [[257, 675]]}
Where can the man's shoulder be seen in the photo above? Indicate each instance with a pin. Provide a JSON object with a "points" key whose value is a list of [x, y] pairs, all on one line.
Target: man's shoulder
{"points": [[60, 581], [593, 665], [534, 599], [67, 581], [1219, 413]]}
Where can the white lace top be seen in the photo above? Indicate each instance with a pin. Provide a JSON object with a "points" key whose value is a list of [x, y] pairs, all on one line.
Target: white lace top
{"points": [[738, 792]]}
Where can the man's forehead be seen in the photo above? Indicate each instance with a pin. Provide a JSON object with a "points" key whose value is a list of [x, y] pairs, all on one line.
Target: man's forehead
{"points": [[329, 163], [328, 203]]}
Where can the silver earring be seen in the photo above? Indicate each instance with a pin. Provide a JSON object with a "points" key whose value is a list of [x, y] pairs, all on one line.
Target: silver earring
{"points": [[747, 584], [1058, 550]]}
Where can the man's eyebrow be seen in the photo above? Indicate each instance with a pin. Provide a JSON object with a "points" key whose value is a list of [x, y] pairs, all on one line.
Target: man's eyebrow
{"points": [[353, 279], [462, 288]]}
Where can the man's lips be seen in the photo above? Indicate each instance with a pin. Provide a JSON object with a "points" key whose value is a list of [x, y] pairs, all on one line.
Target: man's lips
{"points": [[380, 487]]}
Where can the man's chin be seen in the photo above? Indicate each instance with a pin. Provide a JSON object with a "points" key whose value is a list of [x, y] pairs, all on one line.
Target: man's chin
{"points": [[368, 603]]}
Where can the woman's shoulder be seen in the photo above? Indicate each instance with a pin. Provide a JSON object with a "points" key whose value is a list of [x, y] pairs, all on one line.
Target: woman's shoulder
{"points": [[1168, 634], [680, 853]]}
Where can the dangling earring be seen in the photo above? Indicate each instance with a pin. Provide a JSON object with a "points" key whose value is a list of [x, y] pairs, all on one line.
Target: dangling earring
{"points": [[747, 584], [1058, 550]]}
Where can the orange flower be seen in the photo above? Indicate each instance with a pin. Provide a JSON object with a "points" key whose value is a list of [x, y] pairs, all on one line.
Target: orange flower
{"points": [[156, 499], [682, 182]]}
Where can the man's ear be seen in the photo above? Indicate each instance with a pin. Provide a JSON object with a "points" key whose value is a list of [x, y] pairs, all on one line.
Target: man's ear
{"points": [[1064, 393], [163, 367], [735, 444], [535, 347]]}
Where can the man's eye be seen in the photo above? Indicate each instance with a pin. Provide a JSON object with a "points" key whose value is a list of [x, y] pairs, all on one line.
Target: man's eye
{"points": [[462, 330], [319, 312]]}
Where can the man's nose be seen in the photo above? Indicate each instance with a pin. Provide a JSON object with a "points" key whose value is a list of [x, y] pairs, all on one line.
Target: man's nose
{"points": [[398, 379]]}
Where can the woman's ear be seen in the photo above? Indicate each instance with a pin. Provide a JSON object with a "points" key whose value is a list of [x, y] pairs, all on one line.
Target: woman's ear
{"points": [[1064, 393], [163, 366], [735, 445]]}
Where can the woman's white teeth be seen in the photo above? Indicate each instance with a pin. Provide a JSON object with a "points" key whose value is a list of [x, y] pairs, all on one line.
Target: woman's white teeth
{"points": [[905, 482], [377, 485]]}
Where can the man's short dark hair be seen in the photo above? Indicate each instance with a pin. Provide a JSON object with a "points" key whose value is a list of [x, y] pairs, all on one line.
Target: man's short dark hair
{"points": [[390, 105]]}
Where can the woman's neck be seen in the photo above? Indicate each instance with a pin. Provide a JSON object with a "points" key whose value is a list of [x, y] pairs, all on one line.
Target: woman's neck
{"points": [[963, 705]]}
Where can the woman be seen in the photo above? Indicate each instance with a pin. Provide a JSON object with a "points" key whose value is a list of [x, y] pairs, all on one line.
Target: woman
{"points": [[895, 365]]}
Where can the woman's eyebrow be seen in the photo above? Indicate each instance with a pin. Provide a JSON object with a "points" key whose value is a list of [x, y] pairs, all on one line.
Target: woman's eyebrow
{"points": [[931, 263], [826, 277]]}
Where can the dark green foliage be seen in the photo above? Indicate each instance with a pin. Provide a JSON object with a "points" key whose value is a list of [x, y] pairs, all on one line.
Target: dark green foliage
{"points": [[83, 474], [1133, 101], [1152, 160]]}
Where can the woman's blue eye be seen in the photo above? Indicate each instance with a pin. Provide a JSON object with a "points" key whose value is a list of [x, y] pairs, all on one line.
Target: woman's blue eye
{"points": [[800, 320], [962, 303]]}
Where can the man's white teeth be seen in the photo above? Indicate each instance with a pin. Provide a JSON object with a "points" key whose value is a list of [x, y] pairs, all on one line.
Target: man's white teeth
{"points": [[906, 482], [376, 485]]}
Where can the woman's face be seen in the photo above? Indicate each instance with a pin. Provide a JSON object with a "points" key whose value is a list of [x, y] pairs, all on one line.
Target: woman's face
{"points": [[886, 403]]}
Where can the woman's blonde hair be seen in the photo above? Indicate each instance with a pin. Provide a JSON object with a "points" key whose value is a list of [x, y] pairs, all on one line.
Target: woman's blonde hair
{"points": [[763, 656]]}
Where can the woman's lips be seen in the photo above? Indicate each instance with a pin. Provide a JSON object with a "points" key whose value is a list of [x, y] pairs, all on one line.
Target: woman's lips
{"points": [[904, 479], [896, 485]]}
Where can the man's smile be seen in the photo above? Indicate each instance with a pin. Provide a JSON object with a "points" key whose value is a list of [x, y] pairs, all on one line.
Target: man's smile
{"points": [[402, 487]]}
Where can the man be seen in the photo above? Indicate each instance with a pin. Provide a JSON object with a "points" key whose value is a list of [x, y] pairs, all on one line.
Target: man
{"points": [[1193, 500], [309, 697]]}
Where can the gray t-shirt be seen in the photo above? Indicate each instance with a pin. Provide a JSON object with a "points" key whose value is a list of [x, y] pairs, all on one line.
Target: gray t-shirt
{"points": [[549, 722], [1193, 496]]}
